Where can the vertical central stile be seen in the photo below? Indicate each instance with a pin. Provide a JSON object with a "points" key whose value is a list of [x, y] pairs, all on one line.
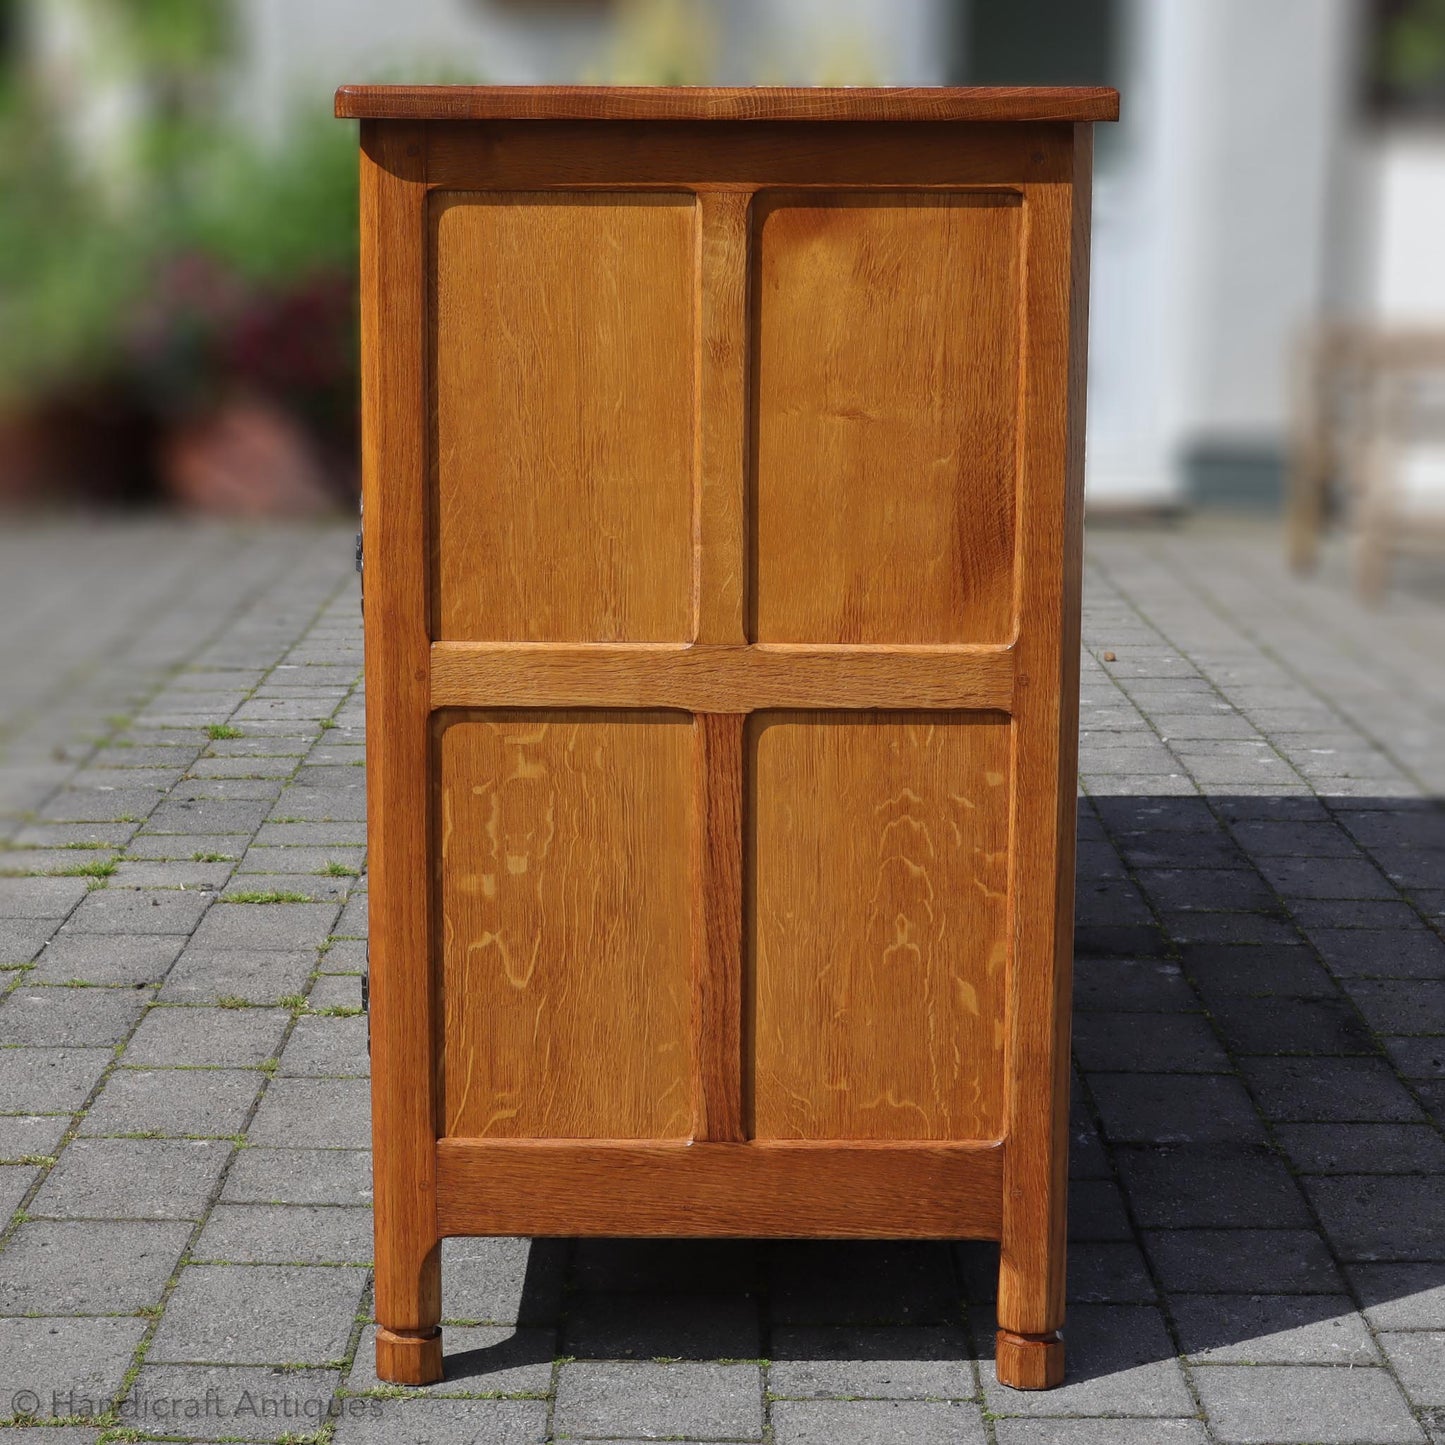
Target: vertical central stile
{"points": [[719, 600]]}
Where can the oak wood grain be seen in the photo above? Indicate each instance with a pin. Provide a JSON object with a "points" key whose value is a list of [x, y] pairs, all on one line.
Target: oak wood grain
{"points": [[748, 103], [1041, 883], [564, 336], [878, 875], [780, 1190], [566, 956], [719, 156], [885, 386], [717, 864], [720, 678], [393, 436]]}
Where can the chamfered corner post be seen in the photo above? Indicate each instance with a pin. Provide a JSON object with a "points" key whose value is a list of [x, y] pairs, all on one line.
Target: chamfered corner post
{"points": [[1029, 1349], [402, 989]]}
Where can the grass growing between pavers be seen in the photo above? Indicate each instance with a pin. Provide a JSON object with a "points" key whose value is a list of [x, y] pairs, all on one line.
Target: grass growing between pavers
{"points": [[266, 896]]}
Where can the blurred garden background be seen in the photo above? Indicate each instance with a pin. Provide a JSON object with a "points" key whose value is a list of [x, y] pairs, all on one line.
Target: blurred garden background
{"points": [[177, 216]]}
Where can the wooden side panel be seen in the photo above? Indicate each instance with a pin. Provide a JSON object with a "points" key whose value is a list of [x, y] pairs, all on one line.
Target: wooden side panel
{"points": [[565, 340], [886, 344], [879, 924], [564, 883]]}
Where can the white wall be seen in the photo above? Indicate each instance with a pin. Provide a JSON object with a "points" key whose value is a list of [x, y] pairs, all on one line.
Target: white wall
{"points": [[1210, 226]]}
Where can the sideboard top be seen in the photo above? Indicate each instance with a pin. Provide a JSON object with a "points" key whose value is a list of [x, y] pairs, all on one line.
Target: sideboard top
{"points": [[760, 103]]}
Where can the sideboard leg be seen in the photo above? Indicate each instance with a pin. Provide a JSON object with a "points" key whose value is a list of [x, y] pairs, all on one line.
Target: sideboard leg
{"points": [[1029, 1362], [409, 1357], [408, 1311]]}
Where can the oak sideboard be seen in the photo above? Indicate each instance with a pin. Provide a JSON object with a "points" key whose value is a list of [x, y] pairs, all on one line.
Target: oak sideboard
{"points": [[723, 465]]}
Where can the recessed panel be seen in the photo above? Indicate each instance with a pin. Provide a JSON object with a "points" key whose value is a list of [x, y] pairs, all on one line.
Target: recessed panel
{"points": [[879, 924], [564, 356], [564, 901], [885, 383]]}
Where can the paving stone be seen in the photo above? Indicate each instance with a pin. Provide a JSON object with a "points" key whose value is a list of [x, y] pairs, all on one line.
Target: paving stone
{"points": [[1417, 1058], [876, 1422], [69, 1015], [1175, 1109], [180, 1103], [1400, 1006], [297, 860], [1119, 1361], [1418, 1359], [107, 958], [169, 847], [1330, 1090], [89, 1267], [299, 1176], [50, 1080], [1209, 1187], [901, 1362], [643, 1327], [236, 1038], [447, 1422], [132, 1179], [862, 1282], [1401, 1296], [479, 1360], [66, 1365], [1096, 1211], [1258, 1329], [1331, 878], [15, 1181], [138, 911], [257, 976], [1386, 1217], [314, 1113], [1363, 1148], [1102, 1272], [677, 1266], [503, 1281], [40, 898], [266, 925], [258, 1314], [22, 938], [27, 1136], [1251, 1261], [659, 1402], [335, 991], [208, 817], [207, 1402], [1180, 1043], [327, 1047], [1099, 1432], [1252, 1405], [1311, 1026], [285, 1234], [1136, 985]]}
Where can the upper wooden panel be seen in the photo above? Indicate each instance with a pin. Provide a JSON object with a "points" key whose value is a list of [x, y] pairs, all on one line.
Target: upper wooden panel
{"points": [[879, 924], [564, 338], [683, 102], [565, 943], [885, 396]]}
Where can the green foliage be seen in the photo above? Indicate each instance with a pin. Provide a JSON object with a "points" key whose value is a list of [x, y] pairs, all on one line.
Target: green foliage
{"points": [[68, 271], [273, 215]]}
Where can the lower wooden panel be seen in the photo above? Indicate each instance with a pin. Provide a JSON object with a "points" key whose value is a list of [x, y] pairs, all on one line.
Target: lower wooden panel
{"points": [[778, 1190], [565, 902], [879, 924]]}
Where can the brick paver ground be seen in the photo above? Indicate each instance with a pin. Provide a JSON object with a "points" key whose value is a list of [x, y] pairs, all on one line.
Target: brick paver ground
{"points": [[1258, 1212]]}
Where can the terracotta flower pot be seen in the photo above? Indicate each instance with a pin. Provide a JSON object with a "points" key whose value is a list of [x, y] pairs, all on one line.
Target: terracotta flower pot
{"points": [[247, 458]]}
